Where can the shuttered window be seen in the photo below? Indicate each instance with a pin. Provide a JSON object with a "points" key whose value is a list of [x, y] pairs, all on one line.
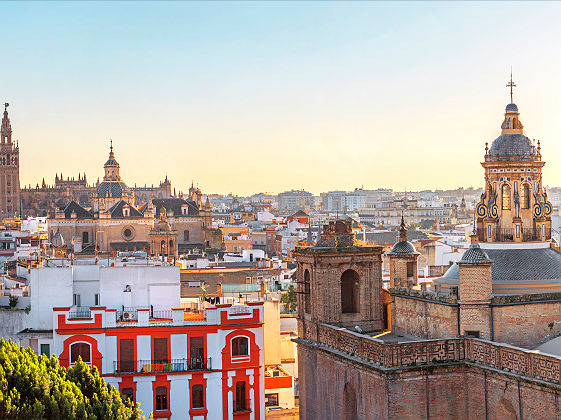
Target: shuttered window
{"points": [[80, 350], [126, 355], [160, 350]]}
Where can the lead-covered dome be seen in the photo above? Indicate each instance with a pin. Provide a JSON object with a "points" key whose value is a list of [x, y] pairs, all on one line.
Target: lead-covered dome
{"points": [[112, 189], [402, 248], [512, 145], [511, 109]]}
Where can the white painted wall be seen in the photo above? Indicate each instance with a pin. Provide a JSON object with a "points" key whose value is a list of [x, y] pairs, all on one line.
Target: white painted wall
{"points": [[145, 394], [143, 347], [49, 287], [179, 396], [150, 285]]}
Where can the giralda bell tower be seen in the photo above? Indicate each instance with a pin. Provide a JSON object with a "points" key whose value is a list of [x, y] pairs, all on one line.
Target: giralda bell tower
{"points": [[10, 195]]}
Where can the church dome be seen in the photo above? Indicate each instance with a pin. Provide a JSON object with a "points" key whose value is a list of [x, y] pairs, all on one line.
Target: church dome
{"points": [[113, 189], [402, 248], [511, 109], [507, 145]]}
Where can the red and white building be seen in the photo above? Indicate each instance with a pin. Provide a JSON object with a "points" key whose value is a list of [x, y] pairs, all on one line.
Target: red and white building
{"points": [[125, 318]]}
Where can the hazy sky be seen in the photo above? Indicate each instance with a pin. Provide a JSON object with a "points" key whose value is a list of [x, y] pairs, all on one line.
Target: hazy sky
{"points": [[250, 97]]}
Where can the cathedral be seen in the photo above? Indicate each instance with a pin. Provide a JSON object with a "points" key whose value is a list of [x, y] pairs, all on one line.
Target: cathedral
{"points": [[10, 194], [470, 344], [115, 221]]}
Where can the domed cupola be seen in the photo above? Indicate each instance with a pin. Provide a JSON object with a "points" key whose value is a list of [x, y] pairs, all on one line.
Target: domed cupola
{"points": [[403, 246], [404, 263]]}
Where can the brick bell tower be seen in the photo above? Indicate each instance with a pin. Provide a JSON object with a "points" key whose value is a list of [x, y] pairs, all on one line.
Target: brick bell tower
{"points": [[404, 262], [339, 282], [475, 291], [10, 194]]}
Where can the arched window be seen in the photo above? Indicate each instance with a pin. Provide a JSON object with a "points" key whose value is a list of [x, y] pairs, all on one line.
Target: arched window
{"points": [[505, 189], [161, 398], [349, 403], [240, 346], [197, 396], [525, 196], [307, 291], [241, 403], [82, 350], [350, 292], [186, 235], [170, 246]]}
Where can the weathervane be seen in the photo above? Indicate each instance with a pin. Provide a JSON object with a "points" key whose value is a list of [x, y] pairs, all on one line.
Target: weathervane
{"points": [[511, 85], [111, 142], [6, 105]]}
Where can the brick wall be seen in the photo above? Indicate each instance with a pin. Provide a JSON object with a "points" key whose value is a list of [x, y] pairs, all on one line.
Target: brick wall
{"points": [[475, 318], [475, 282], [527, 325], [480, 380], [423, 318]]}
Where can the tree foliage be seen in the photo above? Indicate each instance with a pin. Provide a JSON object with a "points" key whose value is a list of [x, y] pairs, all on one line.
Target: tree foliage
{"points": [[36, 387], [289, 299]]}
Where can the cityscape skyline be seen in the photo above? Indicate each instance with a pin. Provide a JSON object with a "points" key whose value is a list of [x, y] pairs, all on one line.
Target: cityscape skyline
{"points": [[215, 94]]}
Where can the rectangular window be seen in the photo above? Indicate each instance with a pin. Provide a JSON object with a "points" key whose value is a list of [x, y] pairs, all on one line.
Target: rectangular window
{"points": [[126, 355], [128, 394], [76, 299], [271, 400], [197, 396], [160, 350], [473, 334], [196, 352], [96, 299], [46, 350], [161, 398]]}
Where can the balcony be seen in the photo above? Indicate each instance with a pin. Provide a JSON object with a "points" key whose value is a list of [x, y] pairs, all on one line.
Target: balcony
{"points": [[80, 312], [172, 365], [242, 406], [507, 235]]}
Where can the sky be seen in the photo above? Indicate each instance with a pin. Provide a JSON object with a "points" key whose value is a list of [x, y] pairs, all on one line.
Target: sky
{"points": [[248, 97]]}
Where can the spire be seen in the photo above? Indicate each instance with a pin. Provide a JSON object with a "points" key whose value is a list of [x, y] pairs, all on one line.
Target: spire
{"points": [[402, 230], [6, 129], [510, 85]]}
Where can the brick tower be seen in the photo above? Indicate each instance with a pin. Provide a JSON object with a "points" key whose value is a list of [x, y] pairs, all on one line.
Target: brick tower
{"points": [[404, 259], [338, 282], [10, 194], [475, 291]]}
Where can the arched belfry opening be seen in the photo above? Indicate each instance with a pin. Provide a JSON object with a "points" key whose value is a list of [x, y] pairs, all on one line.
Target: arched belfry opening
{"points": [[350, 292], [350, 409]]}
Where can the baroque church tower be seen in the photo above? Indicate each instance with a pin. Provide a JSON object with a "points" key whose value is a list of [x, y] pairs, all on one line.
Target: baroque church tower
{"points": [[10, 194], [514, 206]]}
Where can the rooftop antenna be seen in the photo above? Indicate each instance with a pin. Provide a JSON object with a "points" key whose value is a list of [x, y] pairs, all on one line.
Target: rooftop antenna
{"points": [[510, 85]]}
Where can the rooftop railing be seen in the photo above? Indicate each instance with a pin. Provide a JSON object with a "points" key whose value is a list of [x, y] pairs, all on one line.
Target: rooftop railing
{"points": [[80, 312]]}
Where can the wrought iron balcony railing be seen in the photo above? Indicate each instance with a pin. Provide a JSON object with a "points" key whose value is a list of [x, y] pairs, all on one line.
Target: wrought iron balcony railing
{"points": [[153, 366]]}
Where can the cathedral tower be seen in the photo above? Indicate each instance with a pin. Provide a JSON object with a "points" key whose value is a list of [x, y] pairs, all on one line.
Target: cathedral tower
{"points": [[10, 194]]}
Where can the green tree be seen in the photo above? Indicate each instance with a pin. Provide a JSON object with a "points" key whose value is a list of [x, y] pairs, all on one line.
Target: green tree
{"points": [[289, 299], [35, 387]]}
